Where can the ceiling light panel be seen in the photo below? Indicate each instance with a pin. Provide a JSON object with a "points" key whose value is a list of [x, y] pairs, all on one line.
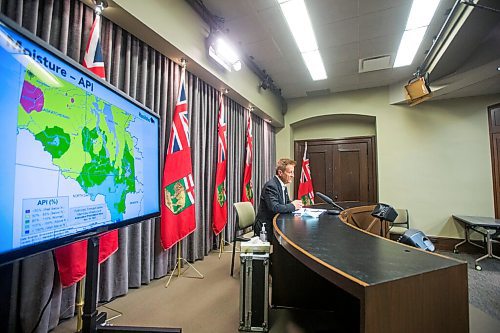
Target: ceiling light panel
{"points": [[409, 46], [421, 14], [297, 17], [314, 64]]}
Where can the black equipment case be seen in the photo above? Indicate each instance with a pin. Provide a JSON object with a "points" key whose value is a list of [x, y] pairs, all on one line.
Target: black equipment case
{"points": [[254, 292]]}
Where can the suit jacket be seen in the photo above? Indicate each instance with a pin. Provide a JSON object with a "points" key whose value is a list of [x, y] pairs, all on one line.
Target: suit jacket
{"points": [[271, 202]]}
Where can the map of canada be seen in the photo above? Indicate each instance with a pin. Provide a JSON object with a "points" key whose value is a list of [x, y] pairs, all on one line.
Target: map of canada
{"points": [[87, 138]]}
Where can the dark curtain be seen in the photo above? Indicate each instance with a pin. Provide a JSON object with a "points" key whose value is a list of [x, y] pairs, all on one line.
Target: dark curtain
{"points": [[152, 79]]}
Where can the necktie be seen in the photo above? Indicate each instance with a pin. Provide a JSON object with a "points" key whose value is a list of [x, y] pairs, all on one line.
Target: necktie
{"points": [[286, 196]]}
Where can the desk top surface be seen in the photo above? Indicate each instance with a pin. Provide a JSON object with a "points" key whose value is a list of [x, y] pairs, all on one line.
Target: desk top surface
{"points": [[485, 222], [360, 255]]}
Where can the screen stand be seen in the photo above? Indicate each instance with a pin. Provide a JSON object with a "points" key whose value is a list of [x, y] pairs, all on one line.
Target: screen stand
{"points": [[94, 321]]}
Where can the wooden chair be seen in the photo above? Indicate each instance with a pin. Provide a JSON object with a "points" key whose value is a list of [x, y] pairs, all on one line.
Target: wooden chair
{"points": [[245, 218], [361, 218], [401, 223]]}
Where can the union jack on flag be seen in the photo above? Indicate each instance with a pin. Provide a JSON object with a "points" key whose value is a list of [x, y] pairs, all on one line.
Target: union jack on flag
{"points": [[93, 59], [179, 134], [222, 135], [305, 174], [188, 181]]}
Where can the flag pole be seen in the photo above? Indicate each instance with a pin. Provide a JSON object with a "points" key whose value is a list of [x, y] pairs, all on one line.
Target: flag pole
{"points": [[221, 244], [79, 305], [178, 266]]}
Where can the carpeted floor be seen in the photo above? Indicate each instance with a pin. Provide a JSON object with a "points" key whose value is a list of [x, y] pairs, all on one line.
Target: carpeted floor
{"points": [[211, 304], [484, 285]]}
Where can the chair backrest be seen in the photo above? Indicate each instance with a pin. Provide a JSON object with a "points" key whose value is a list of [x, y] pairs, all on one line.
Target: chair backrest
{"points": [[246, 214], [403, 218]]}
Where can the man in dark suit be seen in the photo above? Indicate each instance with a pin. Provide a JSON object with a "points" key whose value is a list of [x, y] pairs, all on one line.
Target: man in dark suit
{"points": [[274, 197]]}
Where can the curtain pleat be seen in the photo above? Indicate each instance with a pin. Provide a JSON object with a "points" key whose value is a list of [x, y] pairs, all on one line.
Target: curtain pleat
{"points": [[236, 139], [153, 80]]}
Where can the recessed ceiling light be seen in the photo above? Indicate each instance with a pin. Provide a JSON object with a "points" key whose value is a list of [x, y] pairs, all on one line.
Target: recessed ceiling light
{"points": [[420, 17], [297, 17]]}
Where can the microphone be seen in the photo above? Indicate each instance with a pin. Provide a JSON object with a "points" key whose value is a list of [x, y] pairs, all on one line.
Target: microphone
{"points": [[329, 201]]}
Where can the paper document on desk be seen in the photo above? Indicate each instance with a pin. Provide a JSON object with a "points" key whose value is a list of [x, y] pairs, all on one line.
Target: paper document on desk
{"points": [[312, 212]]}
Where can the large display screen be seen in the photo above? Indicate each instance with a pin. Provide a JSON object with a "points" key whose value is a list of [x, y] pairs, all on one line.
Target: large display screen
{"points": [[78, 157]]}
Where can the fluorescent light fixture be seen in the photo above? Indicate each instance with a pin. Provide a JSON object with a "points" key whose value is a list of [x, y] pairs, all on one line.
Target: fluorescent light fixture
{"points": [[409, 46], [222, 52], [420, 17], [314, 64], [297, 17], [421, 13]]}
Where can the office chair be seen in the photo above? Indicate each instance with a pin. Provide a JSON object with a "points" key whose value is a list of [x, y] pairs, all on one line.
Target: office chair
{"points": [[245, 218], [401, 223]]}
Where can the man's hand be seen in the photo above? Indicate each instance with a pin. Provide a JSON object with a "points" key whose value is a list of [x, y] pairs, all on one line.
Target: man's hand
{"points": [[297, 204]]}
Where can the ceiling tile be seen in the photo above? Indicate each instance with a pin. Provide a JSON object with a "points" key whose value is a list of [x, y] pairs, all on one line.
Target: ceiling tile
{"points": [[342, 68], [379, 46], [383, 22], [339, 53], [244, 30], [337, 33], [372, 6], [327, 11], [265, 50]]}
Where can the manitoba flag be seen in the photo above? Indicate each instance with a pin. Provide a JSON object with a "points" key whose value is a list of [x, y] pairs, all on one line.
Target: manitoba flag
{"points": [[72, 259], [220, 203], [93, 59], [177, 195], [247, 193], [306, 192]]}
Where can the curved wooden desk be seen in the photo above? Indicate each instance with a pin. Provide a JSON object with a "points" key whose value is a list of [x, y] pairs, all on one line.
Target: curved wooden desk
{"points": [[371, 284]]}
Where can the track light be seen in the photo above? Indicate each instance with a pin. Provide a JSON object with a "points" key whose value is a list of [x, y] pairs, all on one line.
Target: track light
{"points": [[223, 52]]}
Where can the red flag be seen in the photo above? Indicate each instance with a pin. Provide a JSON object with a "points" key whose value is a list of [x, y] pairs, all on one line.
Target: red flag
{"points": [[306, 192], [220, 203], [247, 193], [72, 259], [93, 59], [177, 209]]}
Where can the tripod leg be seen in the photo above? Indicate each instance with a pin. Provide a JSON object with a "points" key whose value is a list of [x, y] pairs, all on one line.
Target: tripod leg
{"points": [[221, 245], [200, 276], [172, 273]]}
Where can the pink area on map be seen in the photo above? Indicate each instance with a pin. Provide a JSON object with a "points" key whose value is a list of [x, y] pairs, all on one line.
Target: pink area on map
{"points": [[31, 98]]}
